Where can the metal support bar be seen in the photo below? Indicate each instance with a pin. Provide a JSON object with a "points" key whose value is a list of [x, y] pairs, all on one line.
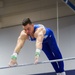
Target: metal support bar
{"points": [[69, 3]]}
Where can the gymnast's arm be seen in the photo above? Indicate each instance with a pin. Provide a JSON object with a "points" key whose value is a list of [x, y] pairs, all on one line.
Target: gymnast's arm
{"points": [[20, 42], [19, 45], [39, 34]]}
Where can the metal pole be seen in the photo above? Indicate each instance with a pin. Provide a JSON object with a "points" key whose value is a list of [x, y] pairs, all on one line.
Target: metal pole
{"points": [[57, 23]]}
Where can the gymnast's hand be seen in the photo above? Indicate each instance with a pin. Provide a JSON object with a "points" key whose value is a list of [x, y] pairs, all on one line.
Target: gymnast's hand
{"points": [[36, 60], [13, 60], [37, 55]]}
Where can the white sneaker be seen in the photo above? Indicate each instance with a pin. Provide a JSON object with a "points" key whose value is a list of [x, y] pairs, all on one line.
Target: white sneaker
{"points": [[62, 73]]}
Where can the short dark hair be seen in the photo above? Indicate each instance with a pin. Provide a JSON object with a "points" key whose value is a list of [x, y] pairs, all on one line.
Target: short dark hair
{"points": [[26, 21]]}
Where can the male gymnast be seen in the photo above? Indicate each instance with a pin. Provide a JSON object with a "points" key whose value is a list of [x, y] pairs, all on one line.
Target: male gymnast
{"points": [[45, 41]]}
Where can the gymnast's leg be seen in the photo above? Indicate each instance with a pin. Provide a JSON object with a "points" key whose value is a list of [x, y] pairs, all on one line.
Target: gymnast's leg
{"points": [[50, 56], [56, 54]]}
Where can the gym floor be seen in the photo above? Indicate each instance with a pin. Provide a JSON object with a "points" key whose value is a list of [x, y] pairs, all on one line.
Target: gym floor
{"points": [[68, 72]]}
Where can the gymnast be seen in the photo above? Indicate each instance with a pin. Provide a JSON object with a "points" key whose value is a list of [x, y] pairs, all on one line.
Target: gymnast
{"points": [[45, 41]]}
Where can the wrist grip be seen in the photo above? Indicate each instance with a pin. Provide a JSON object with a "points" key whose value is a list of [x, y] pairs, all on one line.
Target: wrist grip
{"points": [[14, 56], [37, 53]]}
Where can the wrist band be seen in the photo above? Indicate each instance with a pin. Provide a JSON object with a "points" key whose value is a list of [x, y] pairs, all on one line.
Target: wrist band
{"points": [[37, 53], [14, 56]]}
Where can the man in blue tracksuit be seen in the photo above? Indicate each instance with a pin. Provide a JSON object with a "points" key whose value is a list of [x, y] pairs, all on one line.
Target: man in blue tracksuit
{"points": [[45, 41]]}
